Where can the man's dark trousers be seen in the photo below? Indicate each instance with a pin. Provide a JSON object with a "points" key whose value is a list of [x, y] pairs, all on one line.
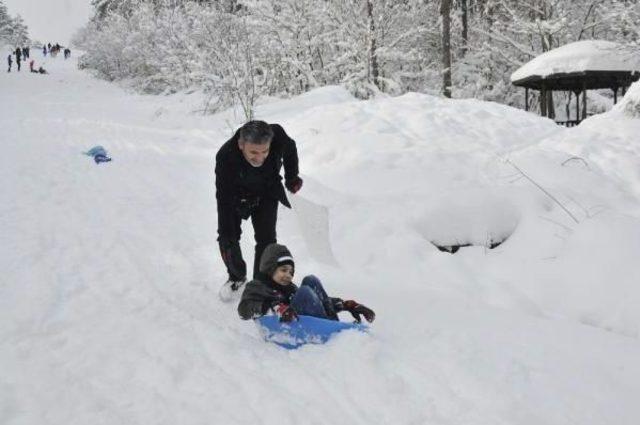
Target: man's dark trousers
{"points": [[263, 218]]}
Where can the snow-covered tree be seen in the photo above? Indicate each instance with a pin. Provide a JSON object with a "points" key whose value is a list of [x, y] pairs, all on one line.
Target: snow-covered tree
{"points": [[13, 31], [122, 7], [238, 50], [20, 32], [6, 24]]}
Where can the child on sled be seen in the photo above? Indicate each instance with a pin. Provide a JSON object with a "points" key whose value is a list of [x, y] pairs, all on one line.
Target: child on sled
{"points": [[275, 291]]}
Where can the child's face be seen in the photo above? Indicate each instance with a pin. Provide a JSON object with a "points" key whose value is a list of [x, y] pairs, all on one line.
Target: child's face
{"points": [[283, 275]]}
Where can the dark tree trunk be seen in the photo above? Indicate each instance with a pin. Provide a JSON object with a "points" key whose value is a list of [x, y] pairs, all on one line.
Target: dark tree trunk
{"points": [[465, 26], [373, 59], [445, 11]]}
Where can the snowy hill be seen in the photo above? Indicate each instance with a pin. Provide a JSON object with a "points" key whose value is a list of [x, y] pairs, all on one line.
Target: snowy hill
{"points": [[108, 304]]}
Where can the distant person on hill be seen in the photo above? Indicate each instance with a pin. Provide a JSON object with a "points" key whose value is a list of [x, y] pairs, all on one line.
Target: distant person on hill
{"points": [[31, 64], [49, 45], [44, 50], [10, 62], [249, 185], [18, 53], [18, 60], [67, 53], [275, 291], [41, 70], [25, 54]]}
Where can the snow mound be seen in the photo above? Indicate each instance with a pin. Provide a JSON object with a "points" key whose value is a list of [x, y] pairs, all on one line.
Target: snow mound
{"points": [[108, 298], [470, 217], [600, 296]]}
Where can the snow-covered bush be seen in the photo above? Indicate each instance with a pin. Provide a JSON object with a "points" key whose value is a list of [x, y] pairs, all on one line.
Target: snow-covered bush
{"points": [[630, 105]]}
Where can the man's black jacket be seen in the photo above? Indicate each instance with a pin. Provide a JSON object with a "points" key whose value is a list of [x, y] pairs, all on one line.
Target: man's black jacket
{"points": [[236, 179]]}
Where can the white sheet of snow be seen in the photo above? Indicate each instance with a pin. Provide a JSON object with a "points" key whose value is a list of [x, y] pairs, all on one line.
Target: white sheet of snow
{"points": [[108, 297], [585, 55]]}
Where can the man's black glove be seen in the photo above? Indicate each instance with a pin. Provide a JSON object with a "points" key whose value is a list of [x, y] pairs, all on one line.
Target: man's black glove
{"points": [[358, 309], [294, 184]]}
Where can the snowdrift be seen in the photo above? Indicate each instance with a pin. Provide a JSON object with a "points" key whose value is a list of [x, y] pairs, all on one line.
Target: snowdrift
{"points": [[108, 305]]}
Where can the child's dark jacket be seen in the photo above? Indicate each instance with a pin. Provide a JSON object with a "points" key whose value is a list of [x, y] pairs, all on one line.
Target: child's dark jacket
{"points": [[259, 296]]}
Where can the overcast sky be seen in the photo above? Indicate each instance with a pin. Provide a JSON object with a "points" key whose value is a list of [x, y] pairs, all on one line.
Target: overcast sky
{"points": [[52, 21]]}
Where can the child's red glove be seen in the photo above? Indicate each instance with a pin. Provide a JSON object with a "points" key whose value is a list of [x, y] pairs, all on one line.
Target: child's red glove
{"points": [[358, 309], [286, 313]]}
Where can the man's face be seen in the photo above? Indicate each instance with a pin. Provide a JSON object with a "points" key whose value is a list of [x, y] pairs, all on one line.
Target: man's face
{"points": [[254, 154]]}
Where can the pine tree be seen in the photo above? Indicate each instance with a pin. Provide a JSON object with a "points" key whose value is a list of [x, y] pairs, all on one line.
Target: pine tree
{"points": [[5, 24], [20, 35]]}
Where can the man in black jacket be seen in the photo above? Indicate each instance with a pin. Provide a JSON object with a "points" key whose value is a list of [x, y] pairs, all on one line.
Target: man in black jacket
{"points": [[248, 184], [18, 57]]}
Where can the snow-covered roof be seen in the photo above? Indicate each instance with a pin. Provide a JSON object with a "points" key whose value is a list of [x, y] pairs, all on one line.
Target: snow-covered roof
{"points": [[581, 56]]}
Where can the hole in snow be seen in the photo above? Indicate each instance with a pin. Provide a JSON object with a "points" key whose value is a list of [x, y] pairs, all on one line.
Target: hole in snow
{"points": [[452, 249], [464, 219]]}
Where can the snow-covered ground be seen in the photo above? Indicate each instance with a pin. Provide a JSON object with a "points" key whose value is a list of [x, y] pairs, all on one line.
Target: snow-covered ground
{"points": [[109, 273]]}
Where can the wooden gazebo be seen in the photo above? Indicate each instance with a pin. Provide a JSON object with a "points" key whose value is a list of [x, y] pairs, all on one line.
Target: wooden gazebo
{"points": [[578, 67]]}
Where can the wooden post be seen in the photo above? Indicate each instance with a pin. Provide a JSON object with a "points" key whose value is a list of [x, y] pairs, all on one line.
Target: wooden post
{"points": [[577, 106], [624, 90], [543, 100], [526, 99], [584, 100], [551, 110], [615, 95]]}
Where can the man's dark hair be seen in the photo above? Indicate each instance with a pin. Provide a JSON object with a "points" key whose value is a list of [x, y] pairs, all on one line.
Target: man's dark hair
{"points": [[256, 132]]}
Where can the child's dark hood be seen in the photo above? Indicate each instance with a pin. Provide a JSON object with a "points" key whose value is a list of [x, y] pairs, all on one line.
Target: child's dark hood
{"points": [[274, 255]]}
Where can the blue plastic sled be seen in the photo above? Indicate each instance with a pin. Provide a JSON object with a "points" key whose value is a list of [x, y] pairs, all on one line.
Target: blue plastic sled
{"points": [[96, 150], [98, 153], [306, 330]]}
